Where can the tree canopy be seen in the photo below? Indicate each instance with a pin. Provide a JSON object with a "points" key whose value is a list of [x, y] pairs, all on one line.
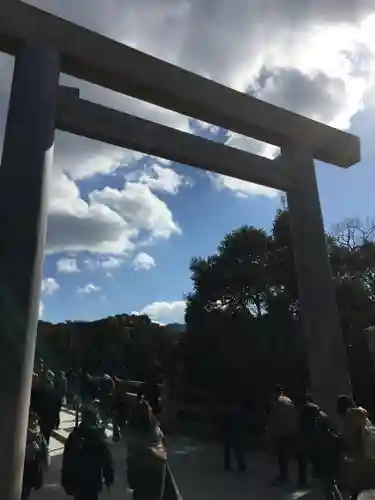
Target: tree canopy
{"points": [[126, 345]]}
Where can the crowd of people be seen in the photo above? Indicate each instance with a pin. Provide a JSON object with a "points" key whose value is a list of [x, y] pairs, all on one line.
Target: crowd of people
{"points": [[338, 456], [87, 463], [47, 397]]}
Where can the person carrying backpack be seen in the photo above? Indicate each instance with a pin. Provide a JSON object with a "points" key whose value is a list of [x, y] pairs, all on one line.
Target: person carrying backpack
{"points": [[36, 458], [87, 461]]}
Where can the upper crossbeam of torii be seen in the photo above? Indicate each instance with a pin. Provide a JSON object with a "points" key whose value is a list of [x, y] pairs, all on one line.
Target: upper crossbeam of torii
{"points": [[103, 61]]}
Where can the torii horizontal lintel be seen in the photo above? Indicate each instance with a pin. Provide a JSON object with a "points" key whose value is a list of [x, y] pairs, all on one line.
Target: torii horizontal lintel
{"points": [[94, 121], [103, 61]]}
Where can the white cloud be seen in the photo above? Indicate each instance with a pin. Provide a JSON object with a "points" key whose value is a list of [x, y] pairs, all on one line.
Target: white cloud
{"points": [[111, 263], [228, 44], [243, 189], [41, 309], [139, 207], [109, 222], [76, 225], [313, 93], [238, 141], [166, 312], [67, 265], [83, 158], [49, 286], [159, 178], [89, 288], [105, 263], [143, 261], [92, 264]]}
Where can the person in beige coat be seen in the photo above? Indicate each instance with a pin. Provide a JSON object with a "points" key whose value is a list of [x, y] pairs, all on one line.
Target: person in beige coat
{"points": [[282, 427], [357, 433]]}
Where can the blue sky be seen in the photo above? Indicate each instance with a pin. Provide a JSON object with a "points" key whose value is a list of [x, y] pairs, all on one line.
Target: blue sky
{"points": [[122, 226], [204, 215]]}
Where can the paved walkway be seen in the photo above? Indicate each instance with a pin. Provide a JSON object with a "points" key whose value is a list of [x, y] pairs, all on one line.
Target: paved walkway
{"points": [[197, 468]]}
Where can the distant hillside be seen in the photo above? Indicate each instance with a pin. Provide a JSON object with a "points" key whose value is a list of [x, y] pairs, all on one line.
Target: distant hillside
{"points": [[122, 341], [176, 327]]}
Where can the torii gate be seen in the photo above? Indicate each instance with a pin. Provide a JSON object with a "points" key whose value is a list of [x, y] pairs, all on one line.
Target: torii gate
{"points": [[44, 45]]}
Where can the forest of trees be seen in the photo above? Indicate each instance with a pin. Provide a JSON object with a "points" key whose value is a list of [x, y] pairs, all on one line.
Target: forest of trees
{"points": [[127, 345], [243, 329]]}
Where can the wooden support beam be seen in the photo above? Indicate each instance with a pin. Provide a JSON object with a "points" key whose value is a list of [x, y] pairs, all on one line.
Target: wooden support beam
{"points": [[100, 123]]}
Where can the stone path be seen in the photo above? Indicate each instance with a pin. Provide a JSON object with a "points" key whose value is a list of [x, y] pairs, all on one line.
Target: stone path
{"points": [[197, 468]]}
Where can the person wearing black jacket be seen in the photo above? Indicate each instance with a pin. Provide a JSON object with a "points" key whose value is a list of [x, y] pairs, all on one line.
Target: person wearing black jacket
{"points": [[307, 414], [232, 432], [36, 458], [87, 461], [47, 405], [327, 448]]}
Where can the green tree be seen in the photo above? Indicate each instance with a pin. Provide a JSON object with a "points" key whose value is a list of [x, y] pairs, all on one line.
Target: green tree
{"points": [[109, 345], [243, 318], [242, 331]]}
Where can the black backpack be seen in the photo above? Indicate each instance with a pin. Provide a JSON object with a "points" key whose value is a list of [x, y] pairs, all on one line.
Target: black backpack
{"points": [[82, 460]]}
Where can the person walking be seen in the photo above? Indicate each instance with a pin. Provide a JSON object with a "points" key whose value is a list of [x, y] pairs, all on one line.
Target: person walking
{"points": [[49, 413], [326, 451], [147, 456], [307, 414], [282, 427], [87, 461], [36, 458], [233, 433], [358, 435], [46, 404]]}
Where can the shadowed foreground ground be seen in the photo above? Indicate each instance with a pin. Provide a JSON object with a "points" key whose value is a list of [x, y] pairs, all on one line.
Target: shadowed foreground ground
{"points": [[197, 468]]}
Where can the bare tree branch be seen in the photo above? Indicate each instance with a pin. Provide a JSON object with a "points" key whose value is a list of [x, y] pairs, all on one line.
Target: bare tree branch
{"points": [[353, 233]]}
